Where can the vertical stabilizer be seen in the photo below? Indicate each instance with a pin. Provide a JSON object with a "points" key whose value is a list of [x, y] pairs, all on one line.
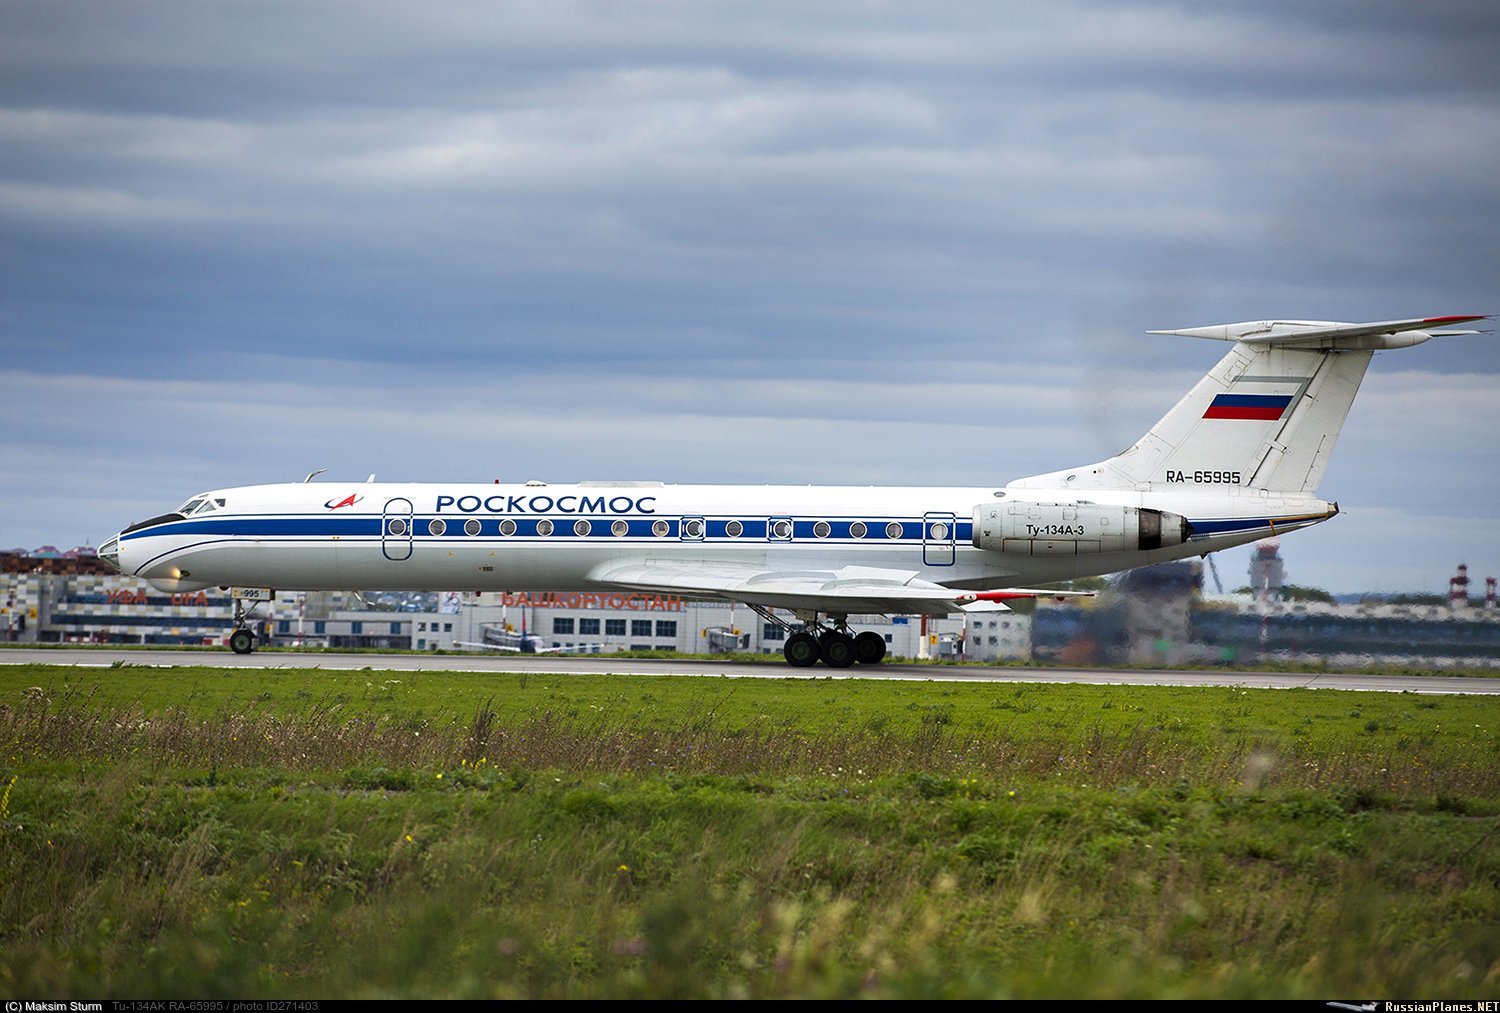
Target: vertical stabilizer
{"points": [[1265, 417]]}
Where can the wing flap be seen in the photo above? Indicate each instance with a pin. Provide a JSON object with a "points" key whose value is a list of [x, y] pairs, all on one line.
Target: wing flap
{"points": [[852, 590]]}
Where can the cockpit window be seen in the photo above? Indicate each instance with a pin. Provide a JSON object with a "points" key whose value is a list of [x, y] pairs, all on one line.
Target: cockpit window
{"points": [[199, 505]]}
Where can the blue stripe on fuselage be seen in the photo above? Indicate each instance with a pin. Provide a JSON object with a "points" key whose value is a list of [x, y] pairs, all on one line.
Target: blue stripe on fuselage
{"points": [[365, 526]]}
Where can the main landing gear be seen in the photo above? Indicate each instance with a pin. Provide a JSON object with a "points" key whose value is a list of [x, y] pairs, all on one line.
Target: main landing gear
{"points": [[829, 642]]}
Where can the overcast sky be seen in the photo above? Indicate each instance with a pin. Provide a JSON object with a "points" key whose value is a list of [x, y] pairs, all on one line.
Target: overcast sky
{"points": [[854, 243]]}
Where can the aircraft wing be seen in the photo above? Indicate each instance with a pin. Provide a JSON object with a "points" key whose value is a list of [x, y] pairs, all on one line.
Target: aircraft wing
{"points": [[506, 648], [486, 647], [852, 590]]}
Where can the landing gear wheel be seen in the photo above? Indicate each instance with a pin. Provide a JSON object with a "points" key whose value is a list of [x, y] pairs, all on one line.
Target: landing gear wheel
{"points": [[801, 650], [837, 649], [869, 648], [241, 641]]}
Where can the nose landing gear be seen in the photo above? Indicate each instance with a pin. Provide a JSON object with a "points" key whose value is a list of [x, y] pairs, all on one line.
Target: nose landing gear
{"points": [[246, 601]]}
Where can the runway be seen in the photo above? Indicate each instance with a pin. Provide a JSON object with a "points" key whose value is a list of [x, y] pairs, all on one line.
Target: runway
{"points": [[584, 665]]}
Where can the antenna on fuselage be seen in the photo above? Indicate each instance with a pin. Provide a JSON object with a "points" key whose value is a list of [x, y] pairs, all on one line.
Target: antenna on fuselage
{"points": [[312, 475]]}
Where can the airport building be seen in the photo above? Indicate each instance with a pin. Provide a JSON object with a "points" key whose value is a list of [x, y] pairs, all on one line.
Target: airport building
{"points": [[1157, 615], [66, 601], [602, 623], [1160, 616], [77, 599]]}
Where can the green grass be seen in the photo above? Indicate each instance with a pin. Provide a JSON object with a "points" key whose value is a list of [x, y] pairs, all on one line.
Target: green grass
{"points": [[196, 832]]}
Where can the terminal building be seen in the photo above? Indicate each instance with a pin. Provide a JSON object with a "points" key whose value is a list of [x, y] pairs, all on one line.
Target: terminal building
{"points": [[82, 601], [603, 623], [1154, 616]]}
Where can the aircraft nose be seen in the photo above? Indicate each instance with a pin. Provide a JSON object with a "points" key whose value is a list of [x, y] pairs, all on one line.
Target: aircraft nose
{"points": [[110, 553]]}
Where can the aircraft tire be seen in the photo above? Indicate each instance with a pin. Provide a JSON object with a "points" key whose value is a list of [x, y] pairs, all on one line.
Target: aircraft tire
{"points": [[836, 650], [801, 650], [869, 648], [242, 641]]}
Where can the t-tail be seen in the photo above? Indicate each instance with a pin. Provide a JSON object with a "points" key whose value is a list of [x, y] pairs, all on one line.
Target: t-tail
{"points": [[1265, 418]]}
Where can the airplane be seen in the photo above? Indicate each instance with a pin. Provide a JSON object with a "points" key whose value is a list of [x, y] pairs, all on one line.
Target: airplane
{"points": [[517, 644], [1237, 459]]}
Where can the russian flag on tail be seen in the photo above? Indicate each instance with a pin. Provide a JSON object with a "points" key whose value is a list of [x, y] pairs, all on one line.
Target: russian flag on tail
{"points": [[1260, 407]]}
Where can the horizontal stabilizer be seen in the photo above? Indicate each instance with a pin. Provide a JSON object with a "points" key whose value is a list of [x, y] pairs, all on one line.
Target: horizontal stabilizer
{"points": [[1324, 334]]}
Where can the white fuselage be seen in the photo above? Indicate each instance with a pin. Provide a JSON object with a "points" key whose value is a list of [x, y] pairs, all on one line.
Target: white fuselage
{"points": [[466, 537]]}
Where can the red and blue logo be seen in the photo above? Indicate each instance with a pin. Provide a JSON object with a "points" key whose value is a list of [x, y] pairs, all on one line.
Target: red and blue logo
{"points": [[348, 500]]}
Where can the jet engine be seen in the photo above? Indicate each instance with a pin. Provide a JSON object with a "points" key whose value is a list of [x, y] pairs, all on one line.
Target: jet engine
{"points": [[1068, 529]]}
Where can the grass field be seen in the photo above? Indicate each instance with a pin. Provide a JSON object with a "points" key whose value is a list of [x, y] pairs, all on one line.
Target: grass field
{"points": [[198, 832]]}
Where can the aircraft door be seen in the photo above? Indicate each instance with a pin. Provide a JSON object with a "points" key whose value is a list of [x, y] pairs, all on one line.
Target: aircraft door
{"points": [[395, 529], [938, 538]]}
